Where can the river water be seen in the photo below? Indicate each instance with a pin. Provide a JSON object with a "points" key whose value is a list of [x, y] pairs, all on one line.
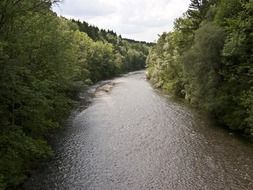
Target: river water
{"points": [[131, 137]]}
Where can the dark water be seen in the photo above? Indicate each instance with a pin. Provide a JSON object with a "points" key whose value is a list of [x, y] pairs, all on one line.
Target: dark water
{"points": [[132, 138]]}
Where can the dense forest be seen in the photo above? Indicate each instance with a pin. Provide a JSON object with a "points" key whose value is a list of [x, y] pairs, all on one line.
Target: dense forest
{"points": [[208, 60], [133, 53], [45, 60]]}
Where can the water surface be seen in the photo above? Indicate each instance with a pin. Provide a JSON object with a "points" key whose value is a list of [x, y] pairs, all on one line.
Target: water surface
{"points": [[132, 138]]}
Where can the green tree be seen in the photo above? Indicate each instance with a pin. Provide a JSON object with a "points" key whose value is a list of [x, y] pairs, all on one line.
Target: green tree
{"points": [[207, 59]]}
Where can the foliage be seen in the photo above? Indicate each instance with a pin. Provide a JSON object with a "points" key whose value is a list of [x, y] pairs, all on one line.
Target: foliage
{"points": [[207, 60], [131, 53], [44, 62]]}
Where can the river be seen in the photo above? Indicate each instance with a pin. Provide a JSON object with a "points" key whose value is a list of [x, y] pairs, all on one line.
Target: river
{"points": [[132, 137]]}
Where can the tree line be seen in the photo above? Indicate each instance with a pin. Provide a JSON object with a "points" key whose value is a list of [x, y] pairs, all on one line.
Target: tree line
{"points": [[208, 60], [132, 54], [45, 60]]}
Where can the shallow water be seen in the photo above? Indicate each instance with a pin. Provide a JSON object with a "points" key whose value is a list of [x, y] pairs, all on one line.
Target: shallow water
{"points": [[132, 138]]}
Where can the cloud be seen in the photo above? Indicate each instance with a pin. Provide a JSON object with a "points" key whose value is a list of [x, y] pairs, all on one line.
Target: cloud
{"points": [[136, 19], [77, 8]]}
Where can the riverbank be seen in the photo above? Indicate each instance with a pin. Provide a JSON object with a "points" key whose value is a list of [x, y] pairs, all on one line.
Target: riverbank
{"points": [[201, 113]]}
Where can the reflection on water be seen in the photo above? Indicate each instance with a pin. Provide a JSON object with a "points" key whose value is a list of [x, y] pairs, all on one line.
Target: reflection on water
{"points": [[132, 138]]}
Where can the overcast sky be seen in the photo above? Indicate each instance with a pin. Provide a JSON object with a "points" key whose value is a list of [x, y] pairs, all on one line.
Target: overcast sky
{"points": [[134, 19]]}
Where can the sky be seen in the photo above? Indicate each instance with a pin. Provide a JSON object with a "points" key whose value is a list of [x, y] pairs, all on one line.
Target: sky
{"points": [[134, 19]]}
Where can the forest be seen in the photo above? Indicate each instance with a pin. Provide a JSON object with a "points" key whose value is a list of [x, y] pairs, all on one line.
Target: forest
{"points": [[207, 60], [45, 60]]}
